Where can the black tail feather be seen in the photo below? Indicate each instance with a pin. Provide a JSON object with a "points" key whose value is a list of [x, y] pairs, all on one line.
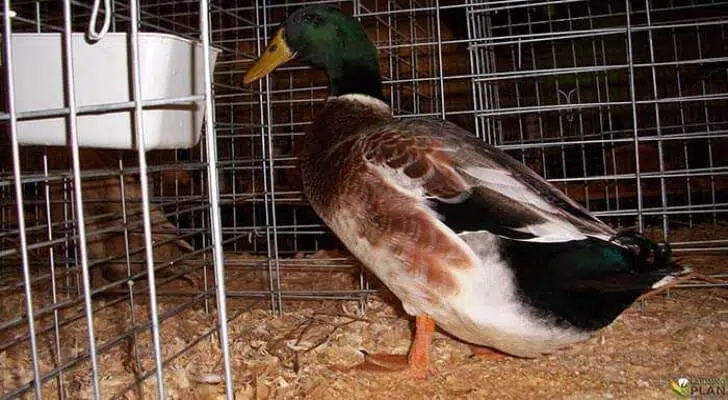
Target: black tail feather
{"points": [[588, 283], [647, 255]]}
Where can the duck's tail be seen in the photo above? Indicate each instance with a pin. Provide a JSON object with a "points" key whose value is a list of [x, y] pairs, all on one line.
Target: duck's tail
{"points": [[649, 257], [588, 283]]}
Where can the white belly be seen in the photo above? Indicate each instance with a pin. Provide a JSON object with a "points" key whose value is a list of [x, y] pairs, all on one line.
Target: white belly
{"points": [[483, 311], [488, 312]]}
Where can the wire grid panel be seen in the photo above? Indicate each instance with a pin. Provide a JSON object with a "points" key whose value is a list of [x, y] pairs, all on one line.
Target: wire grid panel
{"points": [[620, 110], [80, 227], [621, 104]]}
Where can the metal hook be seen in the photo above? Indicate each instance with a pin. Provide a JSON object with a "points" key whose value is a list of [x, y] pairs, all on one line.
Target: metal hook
{"points": [[569, 114], [12, 14], [92, 33]]}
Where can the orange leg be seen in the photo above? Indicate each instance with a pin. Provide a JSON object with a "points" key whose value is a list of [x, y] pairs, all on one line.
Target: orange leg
{"points": [[486, 352], [417, 362], [419, 354]]}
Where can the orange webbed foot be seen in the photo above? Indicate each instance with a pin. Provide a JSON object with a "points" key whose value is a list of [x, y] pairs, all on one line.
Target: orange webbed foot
{"points": [[415, 364], [392, 364]]}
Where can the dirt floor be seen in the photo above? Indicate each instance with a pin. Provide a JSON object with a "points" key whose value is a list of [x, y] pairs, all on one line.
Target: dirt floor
{"points": [[297, 355]]}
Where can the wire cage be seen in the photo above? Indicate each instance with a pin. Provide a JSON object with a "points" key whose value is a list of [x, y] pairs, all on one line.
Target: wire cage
{"points": [[622, 104]]}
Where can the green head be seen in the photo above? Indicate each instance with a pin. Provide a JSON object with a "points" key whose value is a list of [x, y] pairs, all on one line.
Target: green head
{"points": [[326, 38]]}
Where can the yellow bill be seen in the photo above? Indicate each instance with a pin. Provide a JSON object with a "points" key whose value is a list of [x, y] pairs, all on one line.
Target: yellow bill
{"points": [[276, 54]]}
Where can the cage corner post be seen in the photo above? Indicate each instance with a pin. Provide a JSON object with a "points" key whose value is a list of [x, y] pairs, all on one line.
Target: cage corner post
{"points": [[18, 186], [214, 193], [138, 126]]}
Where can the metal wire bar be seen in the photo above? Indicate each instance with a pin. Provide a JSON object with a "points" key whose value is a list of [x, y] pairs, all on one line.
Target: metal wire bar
{"points": [[54, 294], [265, 135], [439, 59], [103, 108], [139, 128], [214, 191], [86, 277], [7, 45], [658, 125]]}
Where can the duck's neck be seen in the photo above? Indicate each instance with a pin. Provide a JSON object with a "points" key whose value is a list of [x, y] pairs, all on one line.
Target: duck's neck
{"points": [[327, 146], [343, 116], [355, 77]]}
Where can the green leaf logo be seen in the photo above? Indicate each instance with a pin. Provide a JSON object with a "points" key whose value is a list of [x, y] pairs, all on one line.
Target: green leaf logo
{"points": [[681, 387]]}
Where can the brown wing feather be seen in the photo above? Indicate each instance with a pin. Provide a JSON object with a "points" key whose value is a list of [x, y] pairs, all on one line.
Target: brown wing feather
{"points": [[421, 159], [437, 155], [411, 234]]}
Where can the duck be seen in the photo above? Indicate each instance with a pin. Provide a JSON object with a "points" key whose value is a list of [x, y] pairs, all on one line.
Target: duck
{"points": [[469, 239]]}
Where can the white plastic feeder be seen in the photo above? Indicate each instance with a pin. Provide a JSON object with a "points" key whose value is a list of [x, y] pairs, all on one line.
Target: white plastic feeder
{"points": [[171, 67]]}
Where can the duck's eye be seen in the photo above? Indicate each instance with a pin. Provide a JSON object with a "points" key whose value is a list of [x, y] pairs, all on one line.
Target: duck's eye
{"points": [[313, 19]]}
